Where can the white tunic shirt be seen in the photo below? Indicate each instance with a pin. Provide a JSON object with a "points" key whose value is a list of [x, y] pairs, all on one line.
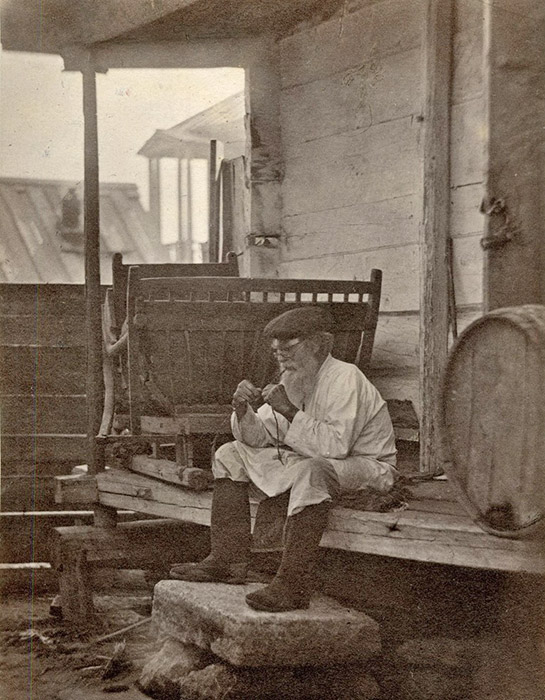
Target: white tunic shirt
{"points": [[345, 421], [345, 417]]}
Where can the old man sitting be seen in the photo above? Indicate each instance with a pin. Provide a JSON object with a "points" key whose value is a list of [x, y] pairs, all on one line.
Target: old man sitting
{"points": [[322, 431]]}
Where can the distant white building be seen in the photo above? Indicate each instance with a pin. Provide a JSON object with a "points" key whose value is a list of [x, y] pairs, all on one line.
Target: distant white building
{"points": [[180, 172]]}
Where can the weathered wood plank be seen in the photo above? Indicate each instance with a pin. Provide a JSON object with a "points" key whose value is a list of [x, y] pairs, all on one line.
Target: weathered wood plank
{"points": [[467, 51], [402, 384], [430, 505], [400, 290], [43, 414], [388, 223], [353, 99], [30, 370], [434, 233], [75, 489], [346, 40], [465, 214], [397, 342], [51, 330], [129, 483], [41, 299], [397, 339], [436, 489], [137, 543], [514, 189], [350, 168], [467, 142], [439, 553], [468, 269], [43, 448], [158, 509], [188, 477], [425, 526], [197, 422]]}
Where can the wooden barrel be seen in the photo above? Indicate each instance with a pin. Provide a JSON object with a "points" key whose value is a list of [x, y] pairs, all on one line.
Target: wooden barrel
{"points": [[493, 419]]}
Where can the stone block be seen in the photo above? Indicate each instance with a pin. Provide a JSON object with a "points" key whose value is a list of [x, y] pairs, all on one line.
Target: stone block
{"points": [[162, 674], [216, 617], [225, 682]]}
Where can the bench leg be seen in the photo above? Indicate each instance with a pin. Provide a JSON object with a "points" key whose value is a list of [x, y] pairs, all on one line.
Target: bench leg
{"points": [[76, 589], [105, 516]]}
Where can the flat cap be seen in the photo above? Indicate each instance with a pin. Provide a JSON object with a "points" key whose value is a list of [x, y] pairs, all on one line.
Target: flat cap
{"points": [[300, 322]]}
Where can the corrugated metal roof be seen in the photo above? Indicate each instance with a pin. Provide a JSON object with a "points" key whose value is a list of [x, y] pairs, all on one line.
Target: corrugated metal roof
{"points": [[224, 122], [33, 248]]}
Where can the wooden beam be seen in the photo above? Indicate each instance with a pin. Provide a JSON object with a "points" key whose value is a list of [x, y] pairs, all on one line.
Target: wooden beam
{"points": [[189, 205], [435, 228], [75, 489], [214, 203], [93, 295], [155, 196], [514, 199], [130, 545]]}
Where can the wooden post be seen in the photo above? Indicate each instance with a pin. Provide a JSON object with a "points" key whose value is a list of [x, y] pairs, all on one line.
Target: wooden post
{"points": [[93, 296], [214, 208], [189, 214], [76, 588], [435, 227], [155, 196], [513, 205], [180, 253]]}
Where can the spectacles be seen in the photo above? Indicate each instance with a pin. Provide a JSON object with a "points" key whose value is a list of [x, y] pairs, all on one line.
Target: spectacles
{"points": [[287, 349]]}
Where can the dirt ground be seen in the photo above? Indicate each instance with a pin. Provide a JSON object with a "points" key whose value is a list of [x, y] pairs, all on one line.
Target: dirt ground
{"points": [[40, 659]]}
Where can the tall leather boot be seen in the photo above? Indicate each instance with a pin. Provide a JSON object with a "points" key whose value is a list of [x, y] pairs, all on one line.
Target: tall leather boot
{"points": [[291, 588], [229, 538]]}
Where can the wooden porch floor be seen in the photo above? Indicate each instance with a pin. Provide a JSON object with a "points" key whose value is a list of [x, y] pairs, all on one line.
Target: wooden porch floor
{"points": [[434, 528]]}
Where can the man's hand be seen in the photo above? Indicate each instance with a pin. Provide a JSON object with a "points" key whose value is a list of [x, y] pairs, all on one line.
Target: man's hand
{"points": [[245, 393], [275, 395]]}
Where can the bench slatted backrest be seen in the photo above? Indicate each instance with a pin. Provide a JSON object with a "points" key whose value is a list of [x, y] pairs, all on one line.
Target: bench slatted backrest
{"points": [[120, 276], [191, 340]]}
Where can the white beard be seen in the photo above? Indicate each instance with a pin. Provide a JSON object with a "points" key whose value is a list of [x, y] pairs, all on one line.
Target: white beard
{"points": [[300, 381]]}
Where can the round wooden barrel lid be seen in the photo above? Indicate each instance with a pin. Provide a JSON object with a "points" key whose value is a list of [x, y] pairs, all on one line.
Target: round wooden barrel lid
{"points": [[493, 419]]}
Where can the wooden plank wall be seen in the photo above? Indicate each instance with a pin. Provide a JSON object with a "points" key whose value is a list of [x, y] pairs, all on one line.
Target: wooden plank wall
{"points": [[351, 106], [42, 389]]}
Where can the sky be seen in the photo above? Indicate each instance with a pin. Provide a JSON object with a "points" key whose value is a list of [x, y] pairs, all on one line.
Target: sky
{"points": [[41, 119]]}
